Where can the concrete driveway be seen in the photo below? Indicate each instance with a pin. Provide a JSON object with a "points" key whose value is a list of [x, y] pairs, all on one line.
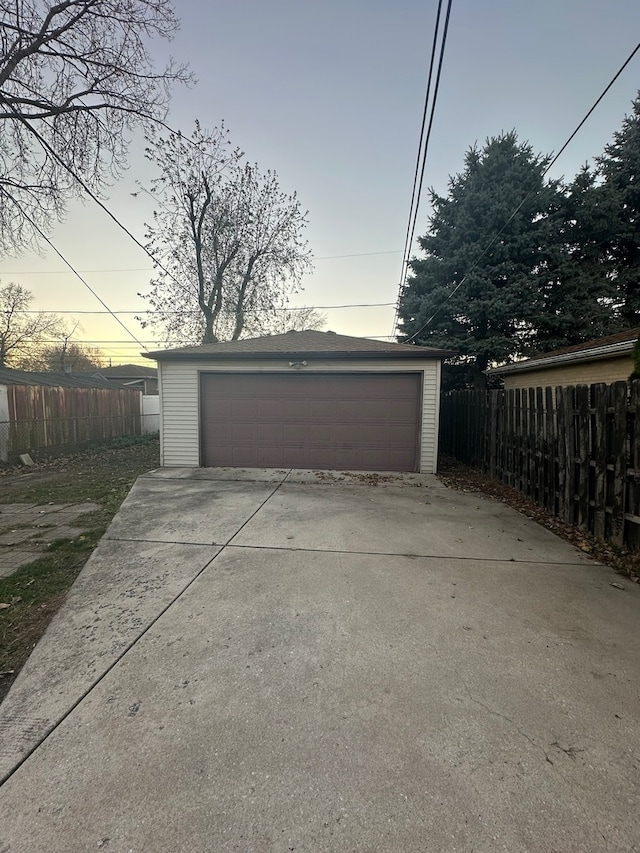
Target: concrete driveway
{"points": [[318, 662]]}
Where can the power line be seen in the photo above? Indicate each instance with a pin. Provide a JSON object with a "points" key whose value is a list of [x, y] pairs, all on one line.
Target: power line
{"points": [[526, 197], [53, 153], [124, 344], [73, 270], [64, 272], [152, 269], [419, 152], [421, 158], [356, 255], [165, 313]]}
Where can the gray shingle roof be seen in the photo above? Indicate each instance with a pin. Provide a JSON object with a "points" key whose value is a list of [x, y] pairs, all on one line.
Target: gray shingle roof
{"points": [[612, 345], [300, 344], [9, 376], [128, 371]]}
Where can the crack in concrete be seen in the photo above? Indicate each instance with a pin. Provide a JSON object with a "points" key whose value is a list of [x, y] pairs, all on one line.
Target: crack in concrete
{"points": [[508, 719], [57, 722], [570, 788], [229, 544]]}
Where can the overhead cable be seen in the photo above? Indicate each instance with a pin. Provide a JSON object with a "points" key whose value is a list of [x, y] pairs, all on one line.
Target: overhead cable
{"points": [[524, 200], [71, 267], [150, 311], [53, 153], [423, 147]]}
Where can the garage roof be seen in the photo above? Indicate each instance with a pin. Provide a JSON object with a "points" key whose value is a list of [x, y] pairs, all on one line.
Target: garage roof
{"points": [[300, 345], [619, 344]]}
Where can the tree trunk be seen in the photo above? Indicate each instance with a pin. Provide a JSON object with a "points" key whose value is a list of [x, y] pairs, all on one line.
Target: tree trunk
{"points": [[209, 336]]}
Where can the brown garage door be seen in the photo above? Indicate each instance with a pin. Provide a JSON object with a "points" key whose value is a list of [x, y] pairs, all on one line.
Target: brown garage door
{"points": [[297, 420]]}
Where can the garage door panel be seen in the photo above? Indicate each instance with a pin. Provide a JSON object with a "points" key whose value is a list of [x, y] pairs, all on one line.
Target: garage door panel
{"points": [[296, 456], [241, 410], [321, 434], [240, 433], [349, 458], [295, 433], [268, 433], [357, 421], [354, 435], [400, 411]]}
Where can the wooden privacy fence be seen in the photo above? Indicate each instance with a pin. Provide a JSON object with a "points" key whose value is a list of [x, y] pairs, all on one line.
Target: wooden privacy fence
{"points": [[573, 450], [46, 418]]}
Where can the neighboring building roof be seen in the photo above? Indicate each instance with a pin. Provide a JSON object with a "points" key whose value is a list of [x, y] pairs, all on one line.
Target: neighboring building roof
{"points": [[611, 346], [300, 345], [128, 371], [9, 376]]}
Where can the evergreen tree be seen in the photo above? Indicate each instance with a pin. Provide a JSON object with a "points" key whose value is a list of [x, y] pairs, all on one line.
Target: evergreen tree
{"points": [[493, 316], [619, 168], [577, 293]]}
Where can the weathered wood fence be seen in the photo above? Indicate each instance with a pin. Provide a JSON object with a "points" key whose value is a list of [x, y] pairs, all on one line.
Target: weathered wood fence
{"points": [[573, 450], [38, 418]]}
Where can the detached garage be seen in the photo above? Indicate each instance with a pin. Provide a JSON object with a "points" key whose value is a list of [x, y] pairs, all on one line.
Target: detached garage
{"points": [[300, 400]]}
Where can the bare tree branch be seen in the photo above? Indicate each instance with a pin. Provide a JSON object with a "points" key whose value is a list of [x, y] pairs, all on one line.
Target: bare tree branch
{"points": [[230, 241], [77, 75], [20, 332]]}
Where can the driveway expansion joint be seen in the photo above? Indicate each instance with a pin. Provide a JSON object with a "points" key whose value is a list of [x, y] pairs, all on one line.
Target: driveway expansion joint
{"points": [[57, 722], [493, 560]]}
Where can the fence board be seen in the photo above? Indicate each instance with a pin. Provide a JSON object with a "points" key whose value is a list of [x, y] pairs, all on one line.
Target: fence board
{"points": [[53, 418], [618, 406], [574, 450], [582, 463]]}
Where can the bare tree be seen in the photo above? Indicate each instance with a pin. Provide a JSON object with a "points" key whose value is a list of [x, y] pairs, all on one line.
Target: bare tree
{"points": [[21, 331], [300, 319], [65, 356], [75, 77], [229, 240]]}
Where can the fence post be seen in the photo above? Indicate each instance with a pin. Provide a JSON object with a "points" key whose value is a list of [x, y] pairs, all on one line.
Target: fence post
{"points": [[599, 398], [491, 464], [562, 449], [582, 453], [632, 499], [618, 455], [570, 452]]}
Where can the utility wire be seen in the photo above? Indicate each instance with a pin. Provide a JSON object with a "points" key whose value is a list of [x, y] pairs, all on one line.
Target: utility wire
{"points": [[150, 311], [151, 269], [421, 158], [422, 127], [525, 199], [72, 268], [53, 153]]}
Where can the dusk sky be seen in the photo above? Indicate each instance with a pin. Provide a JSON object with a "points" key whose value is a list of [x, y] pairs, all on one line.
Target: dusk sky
{"points": [[330, 95]]}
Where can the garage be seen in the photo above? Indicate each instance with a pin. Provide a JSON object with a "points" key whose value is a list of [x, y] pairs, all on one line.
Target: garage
{"points": [[366, 421], [303, 399]]}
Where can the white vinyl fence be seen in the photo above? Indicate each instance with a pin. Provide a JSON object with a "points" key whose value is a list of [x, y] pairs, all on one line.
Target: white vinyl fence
{"points": [[150, 413]]}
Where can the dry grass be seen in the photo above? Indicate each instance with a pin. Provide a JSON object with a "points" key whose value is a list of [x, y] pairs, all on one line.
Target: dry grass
{"points": [[36, 591]]}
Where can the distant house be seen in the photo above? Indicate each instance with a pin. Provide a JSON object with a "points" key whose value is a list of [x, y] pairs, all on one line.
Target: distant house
{"points": [[143, 379], [601, 360], [9, 376]]}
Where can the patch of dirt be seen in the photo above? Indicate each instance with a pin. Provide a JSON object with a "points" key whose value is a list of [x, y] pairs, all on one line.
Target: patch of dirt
{"points": [[30, 597], [455, 475]]}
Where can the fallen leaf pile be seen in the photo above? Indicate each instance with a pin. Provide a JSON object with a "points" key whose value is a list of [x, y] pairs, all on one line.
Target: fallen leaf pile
{"points": [[455, 475]]}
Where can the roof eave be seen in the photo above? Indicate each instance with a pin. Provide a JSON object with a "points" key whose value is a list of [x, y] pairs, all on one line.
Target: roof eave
{"points": [[594, 354], [420, 354]]}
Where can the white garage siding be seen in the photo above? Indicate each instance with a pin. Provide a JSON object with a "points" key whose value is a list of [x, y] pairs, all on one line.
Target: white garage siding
{"points": [[180, 406]]}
